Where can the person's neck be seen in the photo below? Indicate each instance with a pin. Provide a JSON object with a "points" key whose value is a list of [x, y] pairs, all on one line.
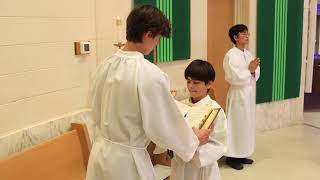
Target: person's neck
{"points": [[241, 46], [130, 46], [195, 100]]}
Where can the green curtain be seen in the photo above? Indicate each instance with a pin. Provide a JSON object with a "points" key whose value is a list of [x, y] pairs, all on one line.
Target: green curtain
{"points": [[279, 46]]}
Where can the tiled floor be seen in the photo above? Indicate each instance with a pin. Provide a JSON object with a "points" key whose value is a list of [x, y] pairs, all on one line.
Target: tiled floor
{"points": [[291, 153], [286, 154]]}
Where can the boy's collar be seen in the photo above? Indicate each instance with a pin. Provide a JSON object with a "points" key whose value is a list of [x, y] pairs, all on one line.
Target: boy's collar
{"points": [[207, 97], [244, 49]]}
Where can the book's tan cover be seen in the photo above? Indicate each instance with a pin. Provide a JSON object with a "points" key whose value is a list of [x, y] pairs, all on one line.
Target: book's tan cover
{"points": [[201, 117], [211, 119]]}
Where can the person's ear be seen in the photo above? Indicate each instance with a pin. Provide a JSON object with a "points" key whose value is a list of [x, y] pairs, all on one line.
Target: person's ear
{"points": [[209, 85], [235, 37], [148, 34]]}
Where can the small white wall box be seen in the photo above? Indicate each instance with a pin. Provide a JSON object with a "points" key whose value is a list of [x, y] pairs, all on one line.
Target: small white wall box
{"points": [[83, 47]]}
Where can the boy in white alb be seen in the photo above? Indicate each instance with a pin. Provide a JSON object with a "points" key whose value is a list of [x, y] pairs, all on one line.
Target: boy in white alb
{"points": [[200, 76], [241, 72]]}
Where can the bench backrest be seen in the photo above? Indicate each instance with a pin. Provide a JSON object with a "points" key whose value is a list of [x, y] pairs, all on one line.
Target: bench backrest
{"points": [[62, 158]]}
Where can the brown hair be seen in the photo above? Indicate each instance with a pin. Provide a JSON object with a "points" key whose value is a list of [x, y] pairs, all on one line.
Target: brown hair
{"points": [[235, 30], [145, 18]]}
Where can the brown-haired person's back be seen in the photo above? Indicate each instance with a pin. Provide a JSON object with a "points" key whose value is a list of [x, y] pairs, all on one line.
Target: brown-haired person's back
{"points": [[132, 105]]}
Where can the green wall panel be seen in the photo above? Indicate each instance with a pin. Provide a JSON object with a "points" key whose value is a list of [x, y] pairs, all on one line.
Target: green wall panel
{"points": [[279, 43]]}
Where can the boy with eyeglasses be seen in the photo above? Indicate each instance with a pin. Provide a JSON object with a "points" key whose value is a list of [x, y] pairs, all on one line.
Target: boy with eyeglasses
{"points": [[241, 72]]}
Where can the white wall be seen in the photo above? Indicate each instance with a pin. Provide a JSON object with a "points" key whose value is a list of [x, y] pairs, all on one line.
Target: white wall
{"points": [[106, 14], [40, 76]]}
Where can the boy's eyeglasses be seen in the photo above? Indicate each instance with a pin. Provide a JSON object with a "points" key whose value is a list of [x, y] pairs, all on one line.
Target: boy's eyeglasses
{"points": [[244, 34]]}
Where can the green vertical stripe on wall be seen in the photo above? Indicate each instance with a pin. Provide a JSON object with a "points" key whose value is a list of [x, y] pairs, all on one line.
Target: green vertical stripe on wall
{"points": [[169, 15], [265, 50], [164, 48], [163, 39], [279, 45], [285, 17], [181, 29], [178, 45], [159, 49], [279, 49], [167, 40], [283, 47], [294, 48], [275, 56], [170, 40], [163, 9]]}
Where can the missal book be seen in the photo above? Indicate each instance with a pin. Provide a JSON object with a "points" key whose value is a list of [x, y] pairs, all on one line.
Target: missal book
{"points": [[201, 117]]}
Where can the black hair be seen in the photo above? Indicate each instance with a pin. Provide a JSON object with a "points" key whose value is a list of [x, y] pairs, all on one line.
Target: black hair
{"points": [[200, 70], [235, 30], [145, 18]]}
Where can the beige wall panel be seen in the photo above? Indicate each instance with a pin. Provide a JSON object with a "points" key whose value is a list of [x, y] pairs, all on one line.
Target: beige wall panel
{"points": [[15, 31], [42, 108], [40, 75], [22, 58], [105, 49], [26, 85], [175, 70], [106, 20], [106, 28], [220, 19], [198, 29], [45, 8]]}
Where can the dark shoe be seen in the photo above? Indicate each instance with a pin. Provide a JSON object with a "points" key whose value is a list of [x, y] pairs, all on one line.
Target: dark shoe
{"points": [[245, 160], [233, 163]]}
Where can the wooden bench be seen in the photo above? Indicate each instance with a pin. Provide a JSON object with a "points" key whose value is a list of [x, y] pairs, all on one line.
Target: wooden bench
{"points": [[62, 158]]}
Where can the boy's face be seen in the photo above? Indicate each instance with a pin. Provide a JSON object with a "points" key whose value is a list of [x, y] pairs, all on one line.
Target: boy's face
{"points": [[242, 38], [198, 89]]}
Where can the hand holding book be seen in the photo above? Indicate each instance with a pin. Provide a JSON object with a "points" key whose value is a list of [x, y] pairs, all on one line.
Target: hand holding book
{"points": [[202, 134]]}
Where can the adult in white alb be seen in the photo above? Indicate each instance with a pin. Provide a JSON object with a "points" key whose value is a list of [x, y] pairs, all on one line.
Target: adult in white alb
{"points": [[132, 105], [241, 72]]}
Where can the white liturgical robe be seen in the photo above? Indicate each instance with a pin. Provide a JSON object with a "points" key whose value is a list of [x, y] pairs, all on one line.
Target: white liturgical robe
{"points": [[204, 164], [241, 103], [131, 105]]}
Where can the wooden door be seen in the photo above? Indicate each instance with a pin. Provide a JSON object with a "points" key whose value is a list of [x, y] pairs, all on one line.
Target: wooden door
{"points": [[220, 19]]}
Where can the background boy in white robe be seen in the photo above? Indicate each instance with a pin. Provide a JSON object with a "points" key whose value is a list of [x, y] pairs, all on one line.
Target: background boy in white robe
{"points": [[241, 72], [131, 100], [200, 76]]}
